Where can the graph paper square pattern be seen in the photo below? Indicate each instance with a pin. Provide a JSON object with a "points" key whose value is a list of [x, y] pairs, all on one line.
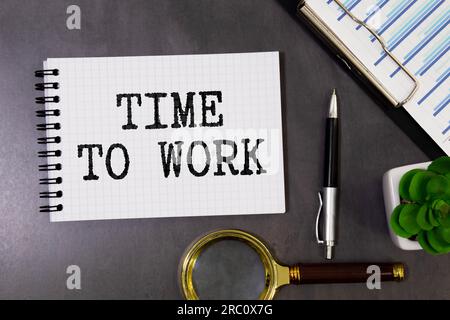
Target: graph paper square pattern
{"points": [[417, 33], [245, 91]]}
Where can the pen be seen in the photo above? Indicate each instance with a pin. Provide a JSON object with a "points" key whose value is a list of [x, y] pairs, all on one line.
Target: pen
{"points": [[329, 195]]}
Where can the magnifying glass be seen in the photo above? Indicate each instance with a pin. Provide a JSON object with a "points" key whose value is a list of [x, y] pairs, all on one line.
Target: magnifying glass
{"points": [[235, 265]]}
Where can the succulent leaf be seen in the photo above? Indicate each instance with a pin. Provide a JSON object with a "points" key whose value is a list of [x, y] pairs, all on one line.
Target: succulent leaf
{"points": [[442, 212], [444, 233], [433, 218], [405, 182], [418, 186], [408, 218], [440, 165], [444, 221], [423, 241], [422, 218], [395, 225], [438, 187], [437, 242]]}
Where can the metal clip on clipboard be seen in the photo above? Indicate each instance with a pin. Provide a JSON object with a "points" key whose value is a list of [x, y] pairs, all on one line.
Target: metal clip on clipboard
{"points": [[306, 11]]}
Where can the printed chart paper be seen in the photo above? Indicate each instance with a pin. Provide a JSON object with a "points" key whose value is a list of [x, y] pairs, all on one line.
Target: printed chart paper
{"points": [[417, 33]]}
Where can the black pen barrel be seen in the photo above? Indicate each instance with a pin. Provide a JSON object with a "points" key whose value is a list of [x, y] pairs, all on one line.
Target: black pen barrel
{"points": [[331, 153]]}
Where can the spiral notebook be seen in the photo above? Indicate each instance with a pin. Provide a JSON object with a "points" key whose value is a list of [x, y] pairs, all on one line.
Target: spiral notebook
{"points": [[399, 46], [161, 136]]}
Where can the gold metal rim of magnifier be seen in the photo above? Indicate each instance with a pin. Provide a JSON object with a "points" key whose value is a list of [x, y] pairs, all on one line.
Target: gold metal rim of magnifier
{"points": [[276, 275]]}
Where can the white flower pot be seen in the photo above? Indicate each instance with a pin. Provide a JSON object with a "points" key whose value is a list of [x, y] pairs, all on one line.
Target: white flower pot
{"points": [[391, 182]]}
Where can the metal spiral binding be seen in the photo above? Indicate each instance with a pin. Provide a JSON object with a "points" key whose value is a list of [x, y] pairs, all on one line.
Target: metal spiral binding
{"points": [[48, 140], [50, 167], [50, 126], [57, 194], [48, 154], [46, 85], [50, 180], [56, 208], [48, 113], [42, 100]]}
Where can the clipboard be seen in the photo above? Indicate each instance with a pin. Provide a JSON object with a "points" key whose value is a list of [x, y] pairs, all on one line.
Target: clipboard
{"points": [[354, 64], [349, 58]]}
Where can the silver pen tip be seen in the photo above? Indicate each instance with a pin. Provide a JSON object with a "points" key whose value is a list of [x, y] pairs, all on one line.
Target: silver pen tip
{"points": [[333, 113]]}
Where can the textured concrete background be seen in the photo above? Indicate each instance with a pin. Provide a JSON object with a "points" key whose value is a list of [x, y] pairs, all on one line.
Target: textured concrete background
{"points": [[139, 258]]}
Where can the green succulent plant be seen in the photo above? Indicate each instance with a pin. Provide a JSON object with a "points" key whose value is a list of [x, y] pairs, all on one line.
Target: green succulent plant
{"points": [[424, 212]]}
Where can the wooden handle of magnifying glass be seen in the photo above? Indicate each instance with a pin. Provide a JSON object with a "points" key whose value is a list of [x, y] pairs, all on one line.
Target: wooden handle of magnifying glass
{"points": [[344, 272]]}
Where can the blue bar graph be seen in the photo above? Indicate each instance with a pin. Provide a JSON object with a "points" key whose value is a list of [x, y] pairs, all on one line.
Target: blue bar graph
{"points": [[377, 8], [399, 11], [430, 34], [434, 57], [447, 129], [410, 26], [441, 106], [350, 5], [420, 15], [420, 30], [439, 82]]}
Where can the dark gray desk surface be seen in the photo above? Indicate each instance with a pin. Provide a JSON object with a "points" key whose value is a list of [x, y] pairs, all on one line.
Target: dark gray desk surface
{"points": [[138, 258]]}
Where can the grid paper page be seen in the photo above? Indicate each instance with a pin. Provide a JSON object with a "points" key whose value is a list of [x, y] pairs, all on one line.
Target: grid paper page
{"points": [[417, 33], [249, 106]]}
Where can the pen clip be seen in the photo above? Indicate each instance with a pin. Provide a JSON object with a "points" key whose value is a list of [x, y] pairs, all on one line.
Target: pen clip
{"points": [[319, 241]]}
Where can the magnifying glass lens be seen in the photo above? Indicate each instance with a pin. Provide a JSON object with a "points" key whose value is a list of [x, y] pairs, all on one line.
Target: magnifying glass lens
{"points": [[229, 269]]}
